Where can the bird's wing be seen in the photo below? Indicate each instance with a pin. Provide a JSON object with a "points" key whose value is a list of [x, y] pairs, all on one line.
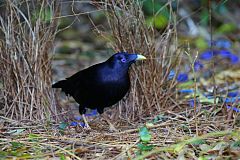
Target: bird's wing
{"points": [[85, 81]]}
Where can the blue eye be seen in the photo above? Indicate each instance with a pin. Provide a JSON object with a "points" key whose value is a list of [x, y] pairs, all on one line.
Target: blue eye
{"points": [[123, 60]]}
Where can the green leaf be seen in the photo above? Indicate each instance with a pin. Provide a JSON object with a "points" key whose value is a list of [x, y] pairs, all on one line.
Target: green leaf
{"points": [[186, 85], [197, 142], [33, 137], [202, 158], [201, 43], [158, 22], [63, 126], [3, 154], [227, 28], [62, 157], [235, 145], [16, 145], [145, 136], [204, 99], [159, 117], [153, 6], [144, 147], [138, 153]]}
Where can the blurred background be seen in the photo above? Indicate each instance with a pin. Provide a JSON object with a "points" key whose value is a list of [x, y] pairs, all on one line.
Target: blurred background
{"points": [[79, 42]]}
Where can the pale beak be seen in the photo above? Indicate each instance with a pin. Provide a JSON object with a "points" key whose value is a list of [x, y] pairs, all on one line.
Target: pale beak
{"points": [[140, 57]]}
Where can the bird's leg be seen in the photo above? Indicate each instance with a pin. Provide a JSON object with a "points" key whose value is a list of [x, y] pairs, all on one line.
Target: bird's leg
{"points": [[82, 111], [111, 126], [85, 121]]}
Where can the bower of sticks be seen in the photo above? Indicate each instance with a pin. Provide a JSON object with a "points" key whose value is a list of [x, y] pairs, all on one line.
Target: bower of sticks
{"points": [[169, 113]]}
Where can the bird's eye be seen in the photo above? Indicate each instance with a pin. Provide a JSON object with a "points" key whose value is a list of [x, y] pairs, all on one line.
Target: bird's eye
{"points": [[123, 60]]}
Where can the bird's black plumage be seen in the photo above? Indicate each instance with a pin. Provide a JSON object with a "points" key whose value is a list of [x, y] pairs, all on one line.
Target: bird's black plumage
{"points": [[101, 85]]}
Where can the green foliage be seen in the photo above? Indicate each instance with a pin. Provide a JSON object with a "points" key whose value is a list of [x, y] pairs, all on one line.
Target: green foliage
{"points": [[203, 99], [204, 16], [198, 142], [186, 85], [156, 12], [3, 154], [152, 7], [144, 134], [226, 28], [202, 158], [62, 157], [33, 137], [158, 21], [201, 43], [235, 145], [208, 146], [145, 138], [62, 126], [160, 118], [144, 147], [16, 145]]}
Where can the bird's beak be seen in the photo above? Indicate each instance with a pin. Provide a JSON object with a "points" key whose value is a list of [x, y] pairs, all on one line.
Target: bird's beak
{"points": [[140, 57]]}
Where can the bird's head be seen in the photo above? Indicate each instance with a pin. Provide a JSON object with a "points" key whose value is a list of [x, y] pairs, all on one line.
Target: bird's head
{"points": [[124, 59]]}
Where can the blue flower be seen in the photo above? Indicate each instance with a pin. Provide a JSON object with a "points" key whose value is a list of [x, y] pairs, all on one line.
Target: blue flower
{"points": [[182, 77], [81, 124], [222, 43], [232, 100], [73, 124], [171, 74], [234, 59], [207, 55], [234, 109], [186, 91], [225, 53], [198, 65], [191, 102], [228, 107], [232, 94]]}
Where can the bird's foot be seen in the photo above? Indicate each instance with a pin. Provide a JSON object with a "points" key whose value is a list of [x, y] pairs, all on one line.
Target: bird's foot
{"points": [[86, 126]]}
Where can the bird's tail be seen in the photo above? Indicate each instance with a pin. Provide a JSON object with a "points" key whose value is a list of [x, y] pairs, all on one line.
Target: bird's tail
{"points": [[59, 84]]}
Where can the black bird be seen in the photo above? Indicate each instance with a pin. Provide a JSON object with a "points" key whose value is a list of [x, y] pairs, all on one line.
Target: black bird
{"points": [[101, 85]]}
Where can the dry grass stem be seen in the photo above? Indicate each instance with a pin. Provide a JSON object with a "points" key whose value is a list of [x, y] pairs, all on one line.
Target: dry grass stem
{"points": [[28, 33]]}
